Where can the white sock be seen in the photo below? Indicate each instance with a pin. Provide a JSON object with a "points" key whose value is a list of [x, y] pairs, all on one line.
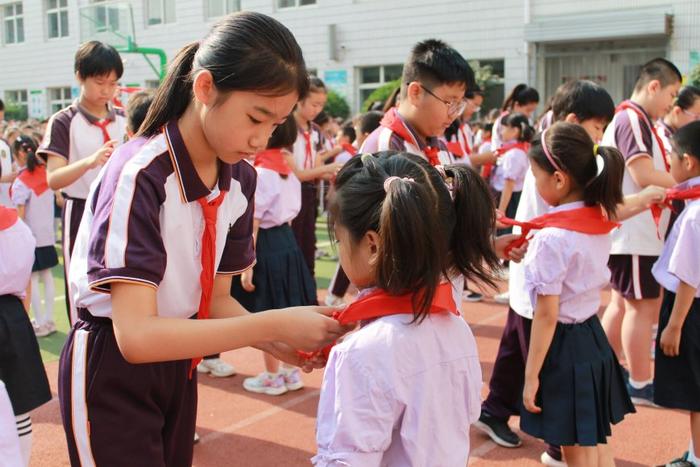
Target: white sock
{"points": [[49, 293], [37, 306], [691, 454], [24, 430], [640, 384]]}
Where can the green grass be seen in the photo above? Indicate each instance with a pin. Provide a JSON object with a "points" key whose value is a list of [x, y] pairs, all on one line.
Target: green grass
{"points": [[51, 346]]}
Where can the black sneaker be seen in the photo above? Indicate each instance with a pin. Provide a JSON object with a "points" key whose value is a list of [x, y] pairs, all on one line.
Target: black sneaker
{"points": [[680, 462], [498, 431]]}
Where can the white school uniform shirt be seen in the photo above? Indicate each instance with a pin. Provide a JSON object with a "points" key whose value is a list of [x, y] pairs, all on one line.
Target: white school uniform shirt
{"points": [[318, 144], [513, 165], [5, 168], [143, 224], [496, 139], [72, 135], [400, 394], [343, 157], [277, 199], [531, 205], [17, 246], [680, 258], [633, 138], [570, 264], [38, 211], [665, 133]]}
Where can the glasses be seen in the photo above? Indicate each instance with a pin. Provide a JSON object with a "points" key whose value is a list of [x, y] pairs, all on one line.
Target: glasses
{"points": [[453, 107], [691, 114]]}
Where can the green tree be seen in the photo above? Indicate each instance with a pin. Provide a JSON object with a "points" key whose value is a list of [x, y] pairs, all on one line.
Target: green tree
{"points": [[694, 76], [336, 105], [14, 111], [484, 75], [382, 93]]}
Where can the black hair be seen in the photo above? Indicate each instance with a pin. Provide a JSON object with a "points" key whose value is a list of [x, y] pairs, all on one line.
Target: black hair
{"points": [[137, 108], [284, 135], [246, 51], [488, 127], [574, 152], [520, 121], [369, 121], [316, 84], [2, 105], [687, 96], [322, 118], [658, 69], [434, 63], [390, 102], [472, 93], [425, 235], [585, 99], [29, 146], [453, 129], [348, 131], [522, 94], [95, 58], [687, 140]]}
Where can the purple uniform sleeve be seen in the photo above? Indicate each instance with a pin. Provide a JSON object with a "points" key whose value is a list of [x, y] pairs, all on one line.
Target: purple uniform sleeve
{"points": [[239, 251], [515, 165], [546, 264], [57, 138], [20, 193], [632, 136]]}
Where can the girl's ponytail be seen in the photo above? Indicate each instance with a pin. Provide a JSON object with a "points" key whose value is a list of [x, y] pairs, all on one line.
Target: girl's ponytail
{"points": [[174, 94], [510, 100], [29, 146], [605, 189]]}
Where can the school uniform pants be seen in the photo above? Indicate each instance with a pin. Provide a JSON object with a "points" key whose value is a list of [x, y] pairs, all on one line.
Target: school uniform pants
{"points": [[116, 413], [304, 225], [73, 209]]}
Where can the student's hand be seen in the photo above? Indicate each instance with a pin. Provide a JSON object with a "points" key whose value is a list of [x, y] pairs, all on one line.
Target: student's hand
{"points": [[287, 354], [100, 157], [516, 254], [670, 341], [332, 169], [529, 394], [499, 224], [308, 328], [60, 200], [652, 195], [247, 280]]}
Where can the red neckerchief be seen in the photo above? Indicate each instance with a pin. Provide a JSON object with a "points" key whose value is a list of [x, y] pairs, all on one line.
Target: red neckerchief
{"points": [[102, 125], [349, 148], [378, 303], [206, 277], [308, 155], [8, 217], [625, 105], [486, 170], [393, 121], [455, 148], [673, 194], [36, 180], [272, 159], [587, 220]]}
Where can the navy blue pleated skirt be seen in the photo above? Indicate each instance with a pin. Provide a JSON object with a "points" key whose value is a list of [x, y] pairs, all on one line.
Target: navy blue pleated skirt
{"points": [[582, 389], [280, 275]]}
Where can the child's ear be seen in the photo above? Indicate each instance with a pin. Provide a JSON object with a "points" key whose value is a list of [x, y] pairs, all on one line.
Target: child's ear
{"points": [[690, 163], [571, 118], [654, 86], [372, 241], [203, 87], [561, 179], [414, 92]]}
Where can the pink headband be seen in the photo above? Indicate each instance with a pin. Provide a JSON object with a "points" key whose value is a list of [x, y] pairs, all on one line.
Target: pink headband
{"points": [[548, 154]]}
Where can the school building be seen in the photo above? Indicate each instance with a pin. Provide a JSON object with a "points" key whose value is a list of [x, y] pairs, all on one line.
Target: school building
{"points": [[357, 45]]}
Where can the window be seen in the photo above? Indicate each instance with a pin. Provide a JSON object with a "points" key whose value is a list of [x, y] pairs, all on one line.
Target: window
{"points": [[59, 98], [14, 23], [57, 17], [489, 75], [151, 84], [160, 12], [217, 8], [373, 77], [17, 101], [282, 4]]}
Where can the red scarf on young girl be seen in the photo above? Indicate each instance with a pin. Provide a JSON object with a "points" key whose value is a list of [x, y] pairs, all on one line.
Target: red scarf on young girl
{"points": [[378, 303], [395, 123], [36, 180], [671, 195], [272, 159], [487, 168], [8, 217], [349, 148], [587, 220], [627, 105]]}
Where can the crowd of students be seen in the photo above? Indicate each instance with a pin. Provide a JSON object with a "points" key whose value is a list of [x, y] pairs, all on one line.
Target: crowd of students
{"points": [[190, 217]]}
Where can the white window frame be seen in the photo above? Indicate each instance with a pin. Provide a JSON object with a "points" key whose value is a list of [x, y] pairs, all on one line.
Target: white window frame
{"points": [[162, 10], [297, 4], [227, 6], [18, 97], [58, 11], [364, 86], [62, 102], [14, 18]]}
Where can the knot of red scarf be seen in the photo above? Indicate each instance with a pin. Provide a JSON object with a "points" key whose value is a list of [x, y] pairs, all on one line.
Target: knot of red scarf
{"points": [[587, 220], [671, 195], [272, 159], [488, 168], [349, 148], [378, 303]]}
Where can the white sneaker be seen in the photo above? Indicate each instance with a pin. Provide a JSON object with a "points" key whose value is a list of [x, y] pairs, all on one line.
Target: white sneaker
{"points": [[41, 331], [333, 300], [292, 379], [546, 459], [216, 367], [266, 383], [51, 327], [196, 438], [503, 298]]}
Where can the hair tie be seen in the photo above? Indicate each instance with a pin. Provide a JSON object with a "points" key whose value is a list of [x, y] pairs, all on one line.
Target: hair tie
{"points": [[441, 171], [364, 157], [547, 153], [392, 179], [595, 149], [600, 164]]}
